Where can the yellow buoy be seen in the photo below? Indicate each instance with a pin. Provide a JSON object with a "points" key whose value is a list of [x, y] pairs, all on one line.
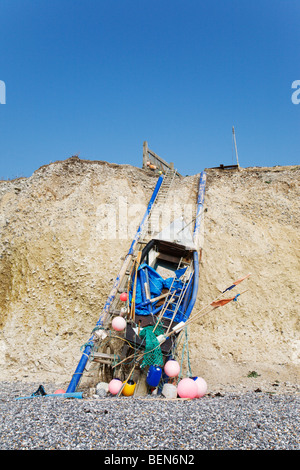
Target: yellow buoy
{"points": [[128, 389]]}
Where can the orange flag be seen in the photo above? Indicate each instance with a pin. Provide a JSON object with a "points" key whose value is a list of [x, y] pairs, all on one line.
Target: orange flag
{"points": [[236, 283], [220, 303], [240, 280]]}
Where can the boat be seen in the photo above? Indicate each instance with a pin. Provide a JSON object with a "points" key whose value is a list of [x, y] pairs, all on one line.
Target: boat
{"points": [[166, 289], [153, 295]]}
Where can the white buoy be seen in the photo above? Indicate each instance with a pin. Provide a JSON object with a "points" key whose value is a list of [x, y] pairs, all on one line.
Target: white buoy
{"points": [[118, 323]]}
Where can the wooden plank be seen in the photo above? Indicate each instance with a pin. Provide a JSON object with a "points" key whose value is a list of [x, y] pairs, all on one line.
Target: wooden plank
{"points": [[225, 167], [147, 154], [104, 358]]}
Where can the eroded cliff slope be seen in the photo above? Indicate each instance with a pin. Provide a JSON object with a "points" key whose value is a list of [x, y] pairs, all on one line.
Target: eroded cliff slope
{"points": [[64, 231]]}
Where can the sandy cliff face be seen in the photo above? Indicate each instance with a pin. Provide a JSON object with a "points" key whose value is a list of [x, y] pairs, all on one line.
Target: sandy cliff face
{"points": [[64, 231], [252, 225]]}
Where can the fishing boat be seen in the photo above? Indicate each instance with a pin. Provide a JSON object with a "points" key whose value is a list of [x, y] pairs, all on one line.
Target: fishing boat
{"points": [[152, 298], [166, 286]]}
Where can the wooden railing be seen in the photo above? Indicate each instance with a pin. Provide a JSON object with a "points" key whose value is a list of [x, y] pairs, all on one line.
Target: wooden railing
{"points": [[155, 163]]}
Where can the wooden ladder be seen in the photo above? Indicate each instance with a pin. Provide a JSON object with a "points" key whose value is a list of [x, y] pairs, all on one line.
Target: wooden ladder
{"points": [[152, 225]]}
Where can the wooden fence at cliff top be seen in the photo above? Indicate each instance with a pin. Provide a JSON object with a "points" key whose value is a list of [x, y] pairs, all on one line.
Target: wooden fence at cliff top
{"points": [[151, 159]]}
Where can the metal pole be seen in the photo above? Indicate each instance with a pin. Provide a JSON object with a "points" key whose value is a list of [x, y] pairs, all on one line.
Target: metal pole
{"points": [[87, 351], [236, 152]]}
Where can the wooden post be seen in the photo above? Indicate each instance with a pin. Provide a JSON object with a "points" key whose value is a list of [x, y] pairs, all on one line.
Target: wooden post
{"points": [[145, 154]]}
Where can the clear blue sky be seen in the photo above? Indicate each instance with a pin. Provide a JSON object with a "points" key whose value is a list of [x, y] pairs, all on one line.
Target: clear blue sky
{"points": [[98, 77]]}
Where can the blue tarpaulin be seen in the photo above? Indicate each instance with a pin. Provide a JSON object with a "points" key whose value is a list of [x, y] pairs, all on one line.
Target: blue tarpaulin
{"points": [[149, 279]]}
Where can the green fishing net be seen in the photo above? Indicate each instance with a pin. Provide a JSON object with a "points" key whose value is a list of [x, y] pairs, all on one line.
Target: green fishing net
{"points": [[153, 354]]}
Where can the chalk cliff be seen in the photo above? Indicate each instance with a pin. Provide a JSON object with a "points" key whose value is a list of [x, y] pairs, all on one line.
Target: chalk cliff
{"points": [[65, 230]]}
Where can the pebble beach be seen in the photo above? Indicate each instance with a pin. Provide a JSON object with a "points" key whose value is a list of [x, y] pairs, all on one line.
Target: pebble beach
{"points": [[248, 421]]}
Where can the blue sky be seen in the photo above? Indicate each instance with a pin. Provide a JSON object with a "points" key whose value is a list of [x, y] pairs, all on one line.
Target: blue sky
{"points": [[97, 78]]}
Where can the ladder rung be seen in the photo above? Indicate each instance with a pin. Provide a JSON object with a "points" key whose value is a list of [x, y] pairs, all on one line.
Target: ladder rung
{"points": [[115, 311], [103, 358]]}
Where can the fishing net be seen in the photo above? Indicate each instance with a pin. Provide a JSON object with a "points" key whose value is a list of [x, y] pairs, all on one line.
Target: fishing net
{"points": [[153, 354]]}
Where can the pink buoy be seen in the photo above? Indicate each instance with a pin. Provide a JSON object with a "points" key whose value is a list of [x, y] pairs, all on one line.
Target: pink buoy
{"points": [[115, 386], [118, 323], [187, 388], [123, 296], [172, 368], [60, 390], [201, 386]]}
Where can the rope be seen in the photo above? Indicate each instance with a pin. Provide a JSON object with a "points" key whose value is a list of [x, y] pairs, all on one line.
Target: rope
{"points": [[116, 359], [91, 344], [97, 328]]}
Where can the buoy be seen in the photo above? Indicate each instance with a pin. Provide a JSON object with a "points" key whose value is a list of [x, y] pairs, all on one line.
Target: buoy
{"points": [[102, 386], [172, 368], [153, 376], [169, 391], [201, 386], [128, 389], [102, 389], [114, 386], [187, 388], [118, 323], [123, 296], [60, 390]]}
